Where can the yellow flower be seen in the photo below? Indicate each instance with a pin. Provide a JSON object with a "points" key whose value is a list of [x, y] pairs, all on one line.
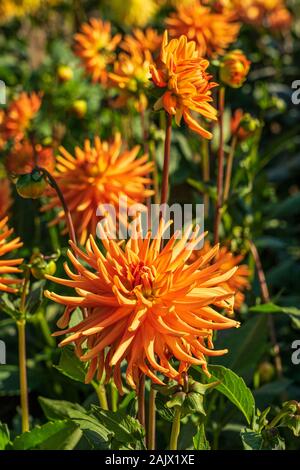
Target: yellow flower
{"points": [[181, 74], [132, 12], [144, 305], [234, 68], [95, 46], [8, 266], [98, 175], [213, 32]]}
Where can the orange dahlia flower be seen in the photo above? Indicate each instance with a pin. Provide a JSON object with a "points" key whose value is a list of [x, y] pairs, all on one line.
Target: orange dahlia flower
{"points": [[147, 40], [20, 114], [95, 46], [21, 158], [181, 72], [97, 175], [145, 305], [239, 281], [8, 266], [213, 32], [234, 68], [132, 76], [5, 197]]}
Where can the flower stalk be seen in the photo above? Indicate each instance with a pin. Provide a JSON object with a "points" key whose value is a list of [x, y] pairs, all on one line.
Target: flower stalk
{"points": [[220, 175], [175, 429], [21, 326]]}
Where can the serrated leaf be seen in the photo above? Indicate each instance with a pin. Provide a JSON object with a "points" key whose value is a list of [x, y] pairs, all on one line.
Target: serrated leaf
{"points": [[58, 409], [4, 436], [199, 440], [235, 389], [56, 435], [251, 440], [167, 414], [126, 429], [70, 365]]}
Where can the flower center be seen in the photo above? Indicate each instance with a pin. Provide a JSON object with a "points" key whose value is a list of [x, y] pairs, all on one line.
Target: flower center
{"points": [[143, 276]]}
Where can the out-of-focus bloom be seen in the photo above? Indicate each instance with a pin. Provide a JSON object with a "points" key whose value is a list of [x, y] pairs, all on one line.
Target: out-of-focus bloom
{"points": [[19, 115], [145, 305], [5, 197], [17, 8], [98, 175], [268, 13], [243, 125], [65, 73], [147, 40], [132, 76], [181, 73], [95, 45], [239, 281], [79, 107], [21, 158], [280, 19], [132, 12], [213, 32], [234, 68], [8, 266]]}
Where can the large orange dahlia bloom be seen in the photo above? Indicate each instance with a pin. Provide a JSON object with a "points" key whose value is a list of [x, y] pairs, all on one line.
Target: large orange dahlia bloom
{"points": [[8, 266], [181, 72], [213, 32], [19, 115], [144, 40], [239, 281], [146, 305], [96, 175], [95, 45]]}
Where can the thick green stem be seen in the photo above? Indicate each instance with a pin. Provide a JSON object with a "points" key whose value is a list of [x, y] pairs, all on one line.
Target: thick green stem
{"points": [[23, 374], [152, 420], [229, 168], [114, 396], [206, 173], [101, 394], [141, 401], [220, 166], [175, 429]]}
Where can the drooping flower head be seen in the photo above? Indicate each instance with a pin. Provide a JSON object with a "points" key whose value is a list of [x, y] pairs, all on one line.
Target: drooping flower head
{"points": [[19, 115], [96, 175], [95, 45], [145, 305], [8, 266], [239, 281], [21, 158], [186, 86], [212, 32], [234, 68]]}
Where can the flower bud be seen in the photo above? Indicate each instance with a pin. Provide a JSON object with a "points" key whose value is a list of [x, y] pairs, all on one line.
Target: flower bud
{"points": [[266, 372], [234, 68], [64, 73], [40, 267], [79, 108], [31, 185]]}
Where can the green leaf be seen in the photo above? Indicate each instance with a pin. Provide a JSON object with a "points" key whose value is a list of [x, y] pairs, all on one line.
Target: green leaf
{"points": [[246, 346], [127, 430], [56, 435], [97, 435], [272, 308], [167, 414], [70, 365], [235, 389], [199, 440], [4, 436], [35, 297], [251, 440]]}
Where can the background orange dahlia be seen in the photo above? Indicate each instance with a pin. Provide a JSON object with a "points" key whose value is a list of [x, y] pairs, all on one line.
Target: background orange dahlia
{"points": [[213, 32], [145, 305], [99, 174], [8, 266], [95, 46], [19, 115]]}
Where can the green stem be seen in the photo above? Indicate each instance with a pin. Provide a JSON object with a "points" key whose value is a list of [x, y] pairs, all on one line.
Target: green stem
{"points": [[114, 396], [21, 325], [141, 401], [220, 166], [229, 168], [152, 420], [101, 394], [175, 429], [206, 172]]}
